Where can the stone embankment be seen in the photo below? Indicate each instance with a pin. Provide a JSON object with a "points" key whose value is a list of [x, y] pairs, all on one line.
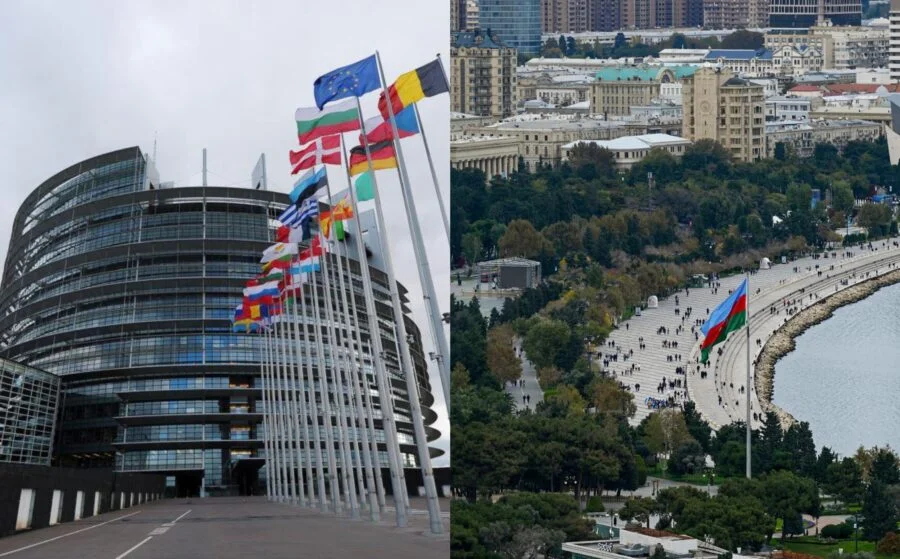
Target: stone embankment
{"points": [[782, 342]]}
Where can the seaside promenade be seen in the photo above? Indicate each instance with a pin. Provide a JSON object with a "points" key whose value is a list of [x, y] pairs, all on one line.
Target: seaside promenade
{"points": [[671, 340]]}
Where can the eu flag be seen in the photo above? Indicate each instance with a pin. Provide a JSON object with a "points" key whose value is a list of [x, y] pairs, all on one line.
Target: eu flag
{"points": [[353, 80]]}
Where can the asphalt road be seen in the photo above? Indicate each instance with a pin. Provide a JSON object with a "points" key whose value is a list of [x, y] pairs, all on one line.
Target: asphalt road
{"points": [[225, 527]]}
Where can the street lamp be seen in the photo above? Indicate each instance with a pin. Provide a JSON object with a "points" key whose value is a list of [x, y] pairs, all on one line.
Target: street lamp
{"points": [[855, 533]]}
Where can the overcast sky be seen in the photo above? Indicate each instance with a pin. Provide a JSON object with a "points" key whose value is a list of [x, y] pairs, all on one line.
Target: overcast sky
{"points": [[78, 79]]}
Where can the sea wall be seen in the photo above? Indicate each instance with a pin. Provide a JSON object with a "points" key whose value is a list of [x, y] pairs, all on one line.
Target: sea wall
{"points": [[782, 341]]}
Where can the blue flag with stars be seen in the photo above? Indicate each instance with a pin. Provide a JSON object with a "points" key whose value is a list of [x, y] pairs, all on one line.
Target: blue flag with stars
{"points": [[353, 80]]}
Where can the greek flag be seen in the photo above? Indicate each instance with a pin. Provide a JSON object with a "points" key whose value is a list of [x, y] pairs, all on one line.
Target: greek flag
{"points": [[309, 209], [290, 216]]}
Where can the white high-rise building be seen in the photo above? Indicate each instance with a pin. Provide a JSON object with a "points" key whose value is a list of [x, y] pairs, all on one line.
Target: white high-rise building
{"points": [[894, 49]]}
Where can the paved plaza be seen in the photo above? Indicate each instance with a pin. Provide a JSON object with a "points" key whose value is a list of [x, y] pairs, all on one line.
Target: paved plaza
{"points": [[643, 372], [230, 527]]}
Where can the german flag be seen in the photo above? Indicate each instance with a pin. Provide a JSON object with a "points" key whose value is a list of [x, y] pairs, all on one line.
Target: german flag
{"points": [[425, 81], [383, 157]]}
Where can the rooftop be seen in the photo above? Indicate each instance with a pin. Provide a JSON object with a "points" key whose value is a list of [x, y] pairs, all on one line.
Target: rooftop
{"points": [[739, 54], [477, 39], [643, 73], [644, 141], [559, 122]]}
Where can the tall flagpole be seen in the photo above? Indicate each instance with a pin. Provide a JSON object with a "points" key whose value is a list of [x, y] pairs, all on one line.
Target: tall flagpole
{"points": [[303, 389], [285, 404], [355, 372], [324, 390], [434, 179], [347, 362], [295, 385], [412, 387], [442, 348], [273, 414], [267, 422], [313, 407], [336, 365], [749, 457], [385, 390]]}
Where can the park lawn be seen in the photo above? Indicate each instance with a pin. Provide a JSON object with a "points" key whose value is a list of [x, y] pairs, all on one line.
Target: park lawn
{"points": [[807, 545]]}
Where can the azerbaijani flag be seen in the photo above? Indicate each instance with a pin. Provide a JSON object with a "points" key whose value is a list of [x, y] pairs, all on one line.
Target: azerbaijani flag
{"points": [[336, 118], [729, 316], [383, 157], [425, 81]]}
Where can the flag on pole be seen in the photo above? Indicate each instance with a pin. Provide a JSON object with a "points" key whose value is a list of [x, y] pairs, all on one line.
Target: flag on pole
{"points": [[424, 81], [310, 264], [729, 316], [256, 292], [322, 151], [288, 234], [278, 251], [365, 188], [377, 129], [334, 119], [352, 80], [383, 157], [309, 209], [308, 185], [290, 216]]}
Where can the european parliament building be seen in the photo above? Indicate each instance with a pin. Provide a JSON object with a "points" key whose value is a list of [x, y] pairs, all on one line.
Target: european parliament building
{"points": [[125, 288]]}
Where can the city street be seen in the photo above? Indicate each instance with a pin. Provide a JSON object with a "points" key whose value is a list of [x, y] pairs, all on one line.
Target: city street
{"points": [[226, 527]]}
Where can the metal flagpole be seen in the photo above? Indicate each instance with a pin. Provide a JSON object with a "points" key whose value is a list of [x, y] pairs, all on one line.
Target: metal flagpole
{"points": [[434, 179], [749, 457], [412, 387], [347, 373], [326, 404], [276, 458], [303, 389], [385, 391], [442, 348], [263, 358], [355, 372], [336, 365], [364, 420], [313, 407], [293, 381], [285, 404]]}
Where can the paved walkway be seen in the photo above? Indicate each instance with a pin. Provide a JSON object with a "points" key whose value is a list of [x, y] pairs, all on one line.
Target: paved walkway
{"points": [[529, 385], [652, 372], [227, 527]]}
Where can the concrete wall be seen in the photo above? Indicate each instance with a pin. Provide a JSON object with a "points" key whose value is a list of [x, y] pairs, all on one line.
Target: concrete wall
{"points": [[44, 480]]}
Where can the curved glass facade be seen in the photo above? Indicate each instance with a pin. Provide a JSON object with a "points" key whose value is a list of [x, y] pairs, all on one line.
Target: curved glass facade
{"points": [[126, 291]]}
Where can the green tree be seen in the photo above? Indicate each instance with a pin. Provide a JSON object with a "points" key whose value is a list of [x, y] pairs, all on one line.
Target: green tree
{"points": [[522, 239], [501, 357], [698, 428], [471, 247], [885, 467], [842, 197], [879, 511], [688, 458], [638, 509], [545, 341], [844, 480], [743, 39]]}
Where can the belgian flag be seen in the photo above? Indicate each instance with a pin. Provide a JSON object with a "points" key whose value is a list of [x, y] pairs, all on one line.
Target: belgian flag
{"points": [[425, 81]]}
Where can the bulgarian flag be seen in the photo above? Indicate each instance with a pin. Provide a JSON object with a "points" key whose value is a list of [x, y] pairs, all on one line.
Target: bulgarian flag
{"points": [[336, 118], [322, 151], [729, 316]]}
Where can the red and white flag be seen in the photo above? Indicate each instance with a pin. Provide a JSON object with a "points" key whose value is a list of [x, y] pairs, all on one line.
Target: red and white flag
{"points": [[322, 151]]}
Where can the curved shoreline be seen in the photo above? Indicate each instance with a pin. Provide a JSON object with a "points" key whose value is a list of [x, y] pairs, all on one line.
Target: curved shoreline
{"points": [[782, 341]]}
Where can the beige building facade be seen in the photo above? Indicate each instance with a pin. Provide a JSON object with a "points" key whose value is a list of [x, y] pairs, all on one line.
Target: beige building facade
{"points": [[492, 155], [730, 110], [482, 76]]}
